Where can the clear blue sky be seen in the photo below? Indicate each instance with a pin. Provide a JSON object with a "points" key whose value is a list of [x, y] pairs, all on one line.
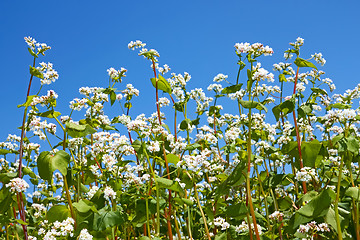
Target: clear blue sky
{"points": [[88, 37]]}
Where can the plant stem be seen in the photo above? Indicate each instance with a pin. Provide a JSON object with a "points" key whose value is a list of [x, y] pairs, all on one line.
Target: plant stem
{"points": [[336, 204], [297, 132], [147, 217], [164, 153], [202, 213]]}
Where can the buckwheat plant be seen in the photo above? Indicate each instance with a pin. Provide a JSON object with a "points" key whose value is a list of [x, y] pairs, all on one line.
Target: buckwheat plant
{"points": [[245, 158]]}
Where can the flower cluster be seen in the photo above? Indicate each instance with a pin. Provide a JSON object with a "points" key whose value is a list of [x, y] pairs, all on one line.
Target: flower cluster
{"points": [[17, 185]]}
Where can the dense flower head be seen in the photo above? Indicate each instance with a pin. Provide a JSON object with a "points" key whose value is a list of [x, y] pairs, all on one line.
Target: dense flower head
{"points": [[85, 235], [50, 75], [255, 48], [116, 75], [17, 185]]}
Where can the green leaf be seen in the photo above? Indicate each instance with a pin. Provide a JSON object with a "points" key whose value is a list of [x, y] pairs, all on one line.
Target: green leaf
{"points": [[235, 178], [5, 151], [183, 201], [282, 78], [338, 106], [49, 114], [83, 206], [32, 53], [237, 210], [172, 158], [179, 106], [185, 124], [28, 171], [252, 104], [162, 84], [28, 101], [192, 146], [75, 130], [105, 218], [21, 222], [35, 72], [112, 97], [310, 151], [285, 108], [353, 192], [47, 164], [319, 205], [58, 213], [304, 63], [232, 89], [319, 91], [221, 236], [169, 184]]}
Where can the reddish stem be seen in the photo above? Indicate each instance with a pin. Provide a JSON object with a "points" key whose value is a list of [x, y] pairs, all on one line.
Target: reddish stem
{"points": [[166, 162]]}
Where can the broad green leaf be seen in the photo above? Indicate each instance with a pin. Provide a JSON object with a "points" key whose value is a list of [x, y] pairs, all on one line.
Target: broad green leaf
{"points": [[237, 210], [236, 178], [232, 89], [353, 192], [5, 151], [162, 84], [310, 151], [49, 114], [28, 101], [319, 205], [6, 177], [179, 106], [76, 130], [5, 199], [304, 63], [172, 158], [285, 108], [185, 124], [84, 206], [36, 73], [106, 218], [58, 213], [169, 184], [252, 104], [221, 236], [338, 106], [47, 164]]}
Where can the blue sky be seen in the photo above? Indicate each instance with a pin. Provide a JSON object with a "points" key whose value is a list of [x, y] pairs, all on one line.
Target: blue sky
{"points": [[88, 37]]}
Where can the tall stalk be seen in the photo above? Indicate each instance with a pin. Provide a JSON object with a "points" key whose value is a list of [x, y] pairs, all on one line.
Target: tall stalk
{"points": [[298, 134], [168, 215], [21, 154]]}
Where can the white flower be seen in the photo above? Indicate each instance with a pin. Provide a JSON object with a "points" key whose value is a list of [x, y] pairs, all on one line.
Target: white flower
{"points": [[319, 58], [17, 185], [136, 44], [220, 222], [109, 193], [85, 235], [163, 102], [92, 191], [220, 77]]}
